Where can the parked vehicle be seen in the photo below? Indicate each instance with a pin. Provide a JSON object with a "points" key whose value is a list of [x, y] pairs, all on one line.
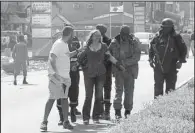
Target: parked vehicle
{"points": [[145, 39]]}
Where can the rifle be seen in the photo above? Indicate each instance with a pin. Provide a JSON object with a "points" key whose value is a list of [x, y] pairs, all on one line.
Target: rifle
{"points": [[157, 56]]}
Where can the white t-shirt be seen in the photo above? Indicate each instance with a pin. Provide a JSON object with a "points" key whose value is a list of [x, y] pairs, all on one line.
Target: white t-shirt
{"points": [[60, 49]]}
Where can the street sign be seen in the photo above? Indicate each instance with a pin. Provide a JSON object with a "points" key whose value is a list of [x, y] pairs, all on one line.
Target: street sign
{"points": [[116, 7], [41, 32], [139, 16], [43, 20], [41, 7]]}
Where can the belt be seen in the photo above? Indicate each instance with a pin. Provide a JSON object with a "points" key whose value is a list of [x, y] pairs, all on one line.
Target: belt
{"points": [[73, 59]]}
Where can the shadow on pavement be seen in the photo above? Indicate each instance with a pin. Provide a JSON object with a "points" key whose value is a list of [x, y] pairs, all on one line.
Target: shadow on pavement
{"points": [[91, 128]]}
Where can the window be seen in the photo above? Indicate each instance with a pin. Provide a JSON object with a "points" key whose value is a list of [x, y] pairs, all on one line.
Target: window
{"points": [[90, 6], [76, 6]]}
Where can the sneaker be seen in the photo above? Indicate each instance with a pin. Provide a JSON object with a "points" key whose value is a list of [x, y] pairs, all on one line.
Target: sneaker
{"points": [[44, 125], [86, 122], [67, 125], [15, 82], [96, 121], [60, 123]]}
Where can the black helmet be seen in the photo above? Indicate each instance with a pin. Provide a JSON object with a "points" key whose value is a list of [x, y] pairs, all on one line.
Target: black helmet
{"points": [[167, 22]]}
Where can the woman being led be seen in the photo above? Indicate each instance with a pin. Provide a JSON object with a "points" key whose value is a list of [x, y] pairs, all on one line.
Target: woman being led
{"points": [[95, 54]]}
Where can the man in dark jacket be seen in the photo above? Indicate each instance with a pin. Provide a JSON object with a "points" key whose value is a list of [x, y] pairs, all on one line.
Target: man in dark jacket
{"points": [[166, 55], [192, 43], [108, 82], [125, 48]]}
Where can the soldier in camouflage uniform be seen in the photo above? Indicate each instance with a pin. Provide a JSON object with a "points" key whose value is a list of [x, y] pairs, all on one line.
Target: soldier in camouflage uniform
{"points": [[126, 50], [166, 55]]}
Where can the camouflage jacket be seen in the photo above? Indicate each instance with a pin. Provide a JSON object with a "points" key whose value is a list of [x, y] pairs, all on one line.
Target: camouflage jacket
{"points": [[176, 50], [72, 47], [127, 53]]}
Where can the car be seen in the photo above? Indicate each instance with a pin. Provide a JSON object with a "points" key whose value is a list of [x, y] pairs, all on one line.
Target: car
{"points": [[145, 39]]}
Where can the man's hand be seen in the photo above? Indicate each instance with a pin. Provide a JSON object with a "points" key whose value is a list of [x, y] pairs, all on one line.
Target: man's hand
{"points": [[120, 66], [81, 48], [178, 65], [151, 63], [74, 68]]}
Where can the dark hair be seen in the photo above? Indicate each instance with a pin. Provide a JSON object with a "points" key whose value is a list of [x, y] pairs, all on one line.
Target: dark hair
{"points": [[67, 31], [21, 38]]}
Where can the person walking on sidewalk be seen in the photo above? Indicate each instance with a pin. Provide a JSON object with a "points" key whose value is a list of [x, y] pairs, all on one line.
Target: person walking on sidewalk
{"points": [[59, 78], [105, 111], [125, 48], [186, 38], [166, 55], [74, 87], [20, 56], [94, 56], [192, 43]]}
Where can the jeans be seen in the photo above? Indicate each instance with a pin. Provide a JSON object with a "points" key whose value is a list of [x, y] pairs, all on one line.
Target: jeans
{"points": [[98, 81], [124, 82]]}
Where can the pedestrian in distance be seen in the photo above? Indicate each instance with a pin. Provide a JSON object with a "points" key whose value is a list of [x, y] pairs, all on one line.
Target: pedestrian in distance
{"points": [[167, 54], [92, 60], [105, 111], [125, 48], [59, 78], [192, 43], [186, 38], [20, 56]]}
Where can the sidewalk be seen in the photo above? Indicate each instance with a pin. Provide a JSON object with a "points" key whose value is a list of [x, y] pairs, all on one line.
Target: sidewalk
{"points": [[22, 106]]}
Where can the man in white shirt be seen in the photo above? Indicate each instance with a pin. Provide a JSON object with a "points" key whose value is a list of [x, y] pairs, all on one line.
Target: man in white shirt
{"points": [[59, 79]]}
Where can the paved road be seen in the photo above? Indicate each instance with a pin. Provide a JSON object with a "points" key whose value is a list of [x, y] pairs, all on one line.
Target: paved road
{"points": [[22, 106]]}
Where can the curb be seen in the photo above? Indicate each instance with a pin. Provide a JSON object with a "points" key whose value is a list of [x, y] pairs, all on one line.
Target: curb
{"points": [[184, 82]]}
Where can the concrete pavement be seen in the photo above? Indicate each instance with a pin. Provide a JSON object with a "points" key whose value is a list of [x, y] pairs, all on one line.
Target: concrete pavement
{"points": [[22, 106]]}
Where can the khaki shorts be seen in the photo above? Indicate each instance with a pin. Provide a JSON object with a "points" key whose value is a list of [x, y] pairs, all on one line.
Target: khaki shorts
{"points": [[58, 88]]}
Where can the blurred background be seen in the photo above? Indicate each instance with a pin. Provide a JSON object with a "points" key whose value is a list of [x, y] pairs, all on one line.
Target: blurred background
{"points": [[41, 22]]}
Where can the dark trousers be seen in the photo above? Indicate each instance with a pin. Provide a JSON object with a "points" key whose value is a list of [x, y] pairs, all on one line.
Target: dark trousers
{"points": [[98, 81], [74, 88], [107, 87], [73, 91], [17, 67], [159, 78], [124, 82]]}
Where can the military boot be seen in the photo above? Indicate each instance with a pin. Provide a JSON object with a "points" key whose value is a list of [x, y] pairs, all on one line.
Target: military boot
{"points": [[127, 112], [107, 111], [118, 114], [73, 114], [24, 81], [60, 123]]}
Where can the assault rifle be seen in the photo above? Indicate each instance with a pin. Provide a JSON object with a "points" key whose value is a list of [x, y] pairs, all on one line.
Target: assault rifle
{"points": [[157, 56]]}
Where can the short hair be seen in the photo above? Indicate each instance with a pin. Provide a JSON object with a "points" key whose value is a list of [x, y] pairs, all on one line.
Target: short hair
{"points": [[67, 31], [21, 38]]}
